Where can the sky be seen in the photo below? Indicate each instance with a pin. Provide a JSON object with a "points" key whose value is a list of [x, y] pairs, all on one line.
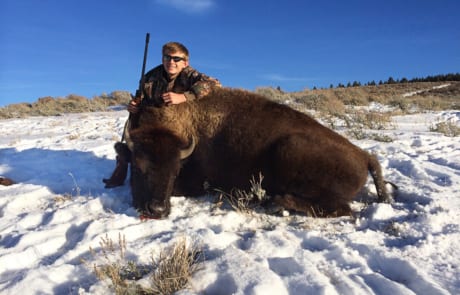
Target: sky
{"points": [[90, 47]]}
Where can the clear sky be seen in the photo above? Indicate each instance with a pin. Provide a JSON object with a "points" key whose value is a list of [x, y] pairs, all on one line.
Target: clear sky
{"points": [[90, 47]]}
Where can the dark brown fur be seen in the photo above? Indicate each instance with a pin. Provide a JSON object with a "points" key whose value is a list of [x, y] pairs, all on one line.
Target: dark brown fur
{"points": [[237, 135], [6, 181]]}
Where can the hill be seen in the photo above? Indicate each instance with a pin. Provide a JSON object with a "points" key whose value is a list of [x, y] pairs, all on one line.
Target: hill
{"points": [[422, 95], [73, 103]]}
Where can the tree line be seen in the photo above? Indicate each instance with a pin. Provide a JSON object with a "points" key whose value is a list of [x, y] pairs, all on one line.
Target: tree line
{"points": [[391, 80]]}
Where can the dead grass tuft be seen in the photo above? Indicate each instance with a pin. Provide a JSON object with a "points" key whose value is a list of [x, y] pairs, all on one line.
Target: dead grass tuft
{"points": [[174, 268], [447, 128], [169, 273], [245, 201]]}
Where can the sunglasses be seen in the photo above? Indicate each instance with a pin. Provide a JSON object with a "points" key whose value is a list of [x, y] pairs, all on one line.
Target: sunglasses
{"points": [[174, 58]]}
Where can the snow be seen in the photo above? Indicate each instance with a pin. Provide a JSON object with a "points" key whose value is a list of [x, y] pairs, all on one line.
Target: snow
{"points": [[409, 94], [59, 209]]}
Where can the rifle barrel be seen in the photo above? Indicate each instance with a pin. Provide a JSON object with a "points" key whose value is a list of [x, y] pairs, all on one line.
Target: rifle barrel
{"points": [[147, 39]]}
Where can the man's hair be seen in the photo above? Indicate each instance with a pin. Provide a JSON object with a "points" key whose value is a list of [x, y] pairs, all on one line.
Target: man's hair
{"points": [[172, 47]]}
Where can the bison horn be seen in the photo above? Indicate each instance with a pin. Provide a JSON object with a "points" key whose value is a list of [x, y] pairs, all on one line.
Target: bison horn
{"points": [[186, 152]]}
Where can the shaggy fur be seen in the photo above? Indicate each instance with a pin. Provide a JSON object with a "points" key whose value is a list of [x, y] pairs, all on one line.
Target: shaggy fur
{"points": [[236, 135], [6, 181]]}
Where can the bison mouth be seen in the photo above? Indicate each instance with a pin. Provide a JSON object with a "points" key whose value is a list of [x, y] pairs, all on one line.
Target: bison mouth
{"points": [[153, 175], [146, 216]]}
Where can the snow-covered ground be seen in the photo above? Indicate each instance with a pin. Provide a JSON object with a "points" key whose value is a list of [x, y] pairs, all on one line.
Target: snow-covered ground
{"points": [[59, 209], [409, 94]]}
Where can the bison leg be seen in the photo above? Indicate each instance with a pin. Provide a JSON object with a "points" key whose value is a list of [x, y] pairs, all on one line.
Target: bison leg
{"points": [[310, 208], [316, 175], [376, 173], [121, 169]]}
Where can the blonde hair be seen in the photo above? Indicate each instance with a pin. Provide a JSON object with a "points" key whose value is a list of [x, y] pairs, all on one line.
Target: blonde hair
{"points": [[172, 47]]}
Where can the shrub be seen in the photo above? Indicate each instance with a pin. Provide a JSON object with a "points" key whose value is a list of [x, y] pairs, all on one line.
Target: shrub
{"points": [[174, 268], [73, 103], [245, 201], [271, 93], [115, 268], [447, 128], [358, 122], [170, 272]]}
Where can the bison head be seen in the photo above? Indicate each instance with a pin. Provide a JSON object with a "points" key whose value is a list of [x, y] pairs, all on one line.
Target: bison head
{"points": [[156, 162]]}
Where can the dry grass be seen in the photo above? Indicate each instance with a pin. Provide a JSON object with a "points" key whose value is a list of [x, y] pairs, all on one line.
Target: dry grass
{"points": [[427, 97], [326, 101], [50, 106], [114, 268], [359, 123], [447, 128], [168, 273], [245, 201], [336, 106], [174, 268]]}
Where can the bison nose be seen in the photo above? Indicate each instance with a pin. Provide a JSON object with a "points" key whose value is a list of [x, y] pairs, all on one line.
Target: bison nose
{"points": [[158, 210]]}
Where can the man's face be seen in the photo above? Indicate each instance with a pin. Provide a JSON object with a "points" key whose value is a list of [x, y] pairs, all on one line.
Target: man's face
{"points": [[174, 63]]}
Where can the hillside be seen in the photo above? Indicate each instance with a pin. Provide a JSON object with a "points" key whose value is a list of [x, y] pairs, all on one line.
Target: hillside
{"points": [[423, 95]]}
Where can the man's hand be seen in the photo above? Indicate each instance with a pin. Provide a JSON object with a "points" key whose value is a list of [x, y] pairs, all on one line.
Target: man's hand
{"points": [[133, 107], [173, 98]]}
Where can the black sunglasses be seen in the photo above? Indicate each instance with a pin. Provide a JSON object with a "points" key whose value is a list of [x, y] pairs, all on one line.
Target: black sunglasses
{"points": [[174, 58]]}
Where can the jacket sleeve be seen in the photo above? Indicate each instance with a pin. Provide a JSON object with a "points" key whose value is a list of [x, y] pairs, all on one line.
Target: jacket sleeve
{"points": [[201, 85]]}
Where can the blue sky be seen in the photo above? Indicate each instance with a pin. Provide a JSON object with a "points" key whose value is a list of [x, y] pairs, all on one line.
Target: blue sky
{"points": [[89, 47]]}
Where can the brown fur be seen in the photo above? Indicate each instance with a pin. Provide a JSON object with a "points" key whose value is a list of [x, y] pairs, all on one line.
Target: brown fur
{"points": [[6, 181], [238, 134]]}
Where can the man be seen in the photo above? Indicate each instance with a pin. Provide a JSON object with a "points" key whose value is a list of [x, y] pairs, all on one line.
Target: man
{"points": [[172, 82]]}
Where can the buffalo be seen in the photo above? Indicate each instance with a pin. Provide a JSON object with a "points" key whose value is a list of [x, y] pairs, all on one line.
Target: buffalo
{"points": [[231, 135]]}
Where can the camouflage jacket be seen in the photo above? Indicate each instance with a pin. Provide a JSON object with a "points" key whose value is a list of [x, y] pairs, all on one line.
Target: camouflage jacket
{"points": [[190, 82]]}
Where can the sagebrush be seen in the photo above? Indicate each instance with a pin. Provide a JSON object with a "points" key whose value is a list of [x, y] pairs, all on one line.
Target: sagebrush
{"points": [[168, 272]]}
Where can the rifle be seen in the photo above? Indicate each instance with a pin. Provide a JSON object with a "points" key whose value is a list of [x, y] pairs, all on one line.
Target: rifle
{"points": [[133, 119], [140, 90]]}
